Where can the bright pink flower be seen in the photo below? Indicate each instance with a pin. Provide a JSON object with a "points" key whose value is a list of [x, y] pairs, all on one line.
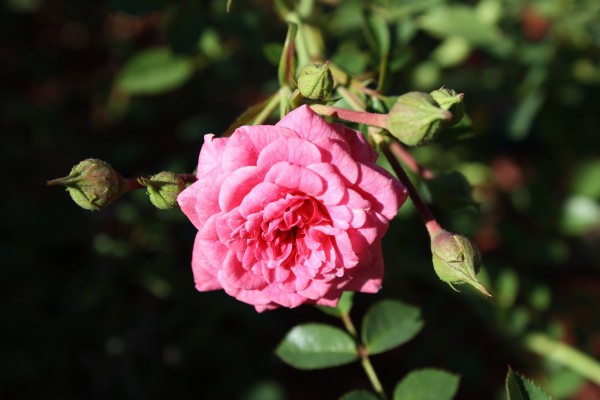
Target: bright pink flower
{"points": [[290, 214]]}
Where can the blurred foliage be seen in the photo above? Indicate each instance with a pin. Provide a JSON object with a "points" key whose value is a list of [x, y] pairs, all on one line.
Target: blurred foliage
{"points": [[100, 305]]}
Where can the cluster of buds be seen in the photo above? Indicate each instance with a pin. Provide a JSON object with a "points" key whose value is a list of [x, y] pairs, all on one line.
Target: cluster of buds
{"points": [[93, 184]]}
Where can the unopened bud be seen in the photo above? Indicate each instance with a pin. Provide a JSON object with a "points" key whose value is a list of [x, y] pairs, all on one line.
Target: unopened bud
{"points": [[456, 260], [449, 100], [163, 189], [315, 81], [93, 184], [416, 119]]}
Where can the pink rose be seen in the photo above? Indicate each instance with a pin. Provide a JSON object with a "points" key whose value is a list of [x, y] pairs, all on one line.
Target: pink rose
{"points": [[290, 214]]}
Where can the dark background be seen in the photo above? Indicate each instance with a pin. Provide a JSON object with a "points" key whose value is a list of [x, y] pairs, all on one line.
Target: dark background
{"points": [[102, 304]]}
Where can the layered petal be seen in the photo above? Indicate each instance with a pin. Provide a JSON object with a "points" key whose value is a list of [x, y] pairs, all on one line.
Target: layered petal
{"points": [[290, 214]]}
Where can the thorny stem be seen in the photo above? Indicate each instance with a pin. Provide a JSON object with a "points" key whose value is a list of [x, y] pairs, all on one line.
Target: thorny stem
{"points": [[364, 358]]}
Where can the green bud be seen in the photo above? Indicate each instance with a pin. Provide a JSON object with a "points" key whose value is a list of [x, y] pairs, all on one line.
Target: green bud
{"points": [[163, 189], [416, 119], [315, 81], [449, 100], [93, 184], [456, 260]]}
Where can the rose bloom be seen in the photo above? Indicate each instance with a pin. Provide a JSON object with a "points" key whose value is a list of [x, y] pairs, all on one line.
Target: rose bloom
{"points": [[290, 214]]}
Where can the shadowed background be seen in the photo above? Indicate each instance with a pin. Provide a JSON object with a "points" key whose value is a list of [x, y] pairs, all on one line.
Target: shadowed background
{"points": [[102, 304]]}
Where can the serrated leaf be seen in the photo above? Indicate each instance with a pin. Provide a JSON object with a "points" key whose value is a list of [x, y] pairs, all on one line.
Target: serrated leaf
{"points": [[520, 388], [359, 395], [154, 71], [389, 324], [313, 346], [343, 306], [427, 384]]}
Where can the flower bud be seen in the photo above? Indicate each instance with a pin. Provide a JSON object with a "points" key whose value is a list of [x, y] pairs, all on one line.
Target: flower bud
{"points": [[416, 119], [456, 260], [315, 81], [93, 184], [449, 100], [163, 189]]}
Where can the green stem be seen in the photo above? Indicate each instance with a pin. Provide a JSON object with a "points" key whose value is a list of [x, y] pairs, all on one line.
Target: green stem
{"points": [[564, 354], [372, 375], [268, 110], [364, 358]]}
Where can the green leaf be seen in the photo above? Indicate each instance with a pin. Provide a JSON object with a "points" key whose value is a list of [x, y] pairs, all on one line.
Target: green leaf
{"points": [[313, 346], [154, 71], [379, 37], [389, 324], [520, 388], [585, 180], [359, 395], [343, 306], [427, 384], [286, 72], [523, 116], [462, 21], [378, 34]]}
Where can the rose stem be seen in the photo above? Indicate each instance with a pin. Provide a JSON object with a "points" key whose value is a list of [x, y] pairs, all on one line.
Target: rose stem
{"points": [[426, 215], [367, 118], [364, 357], [407, 159]]}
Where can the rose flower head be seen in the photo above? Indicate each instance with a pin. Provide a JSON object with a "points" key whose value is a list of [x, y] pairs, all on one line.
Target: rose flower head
{"points": [[290, 214]]}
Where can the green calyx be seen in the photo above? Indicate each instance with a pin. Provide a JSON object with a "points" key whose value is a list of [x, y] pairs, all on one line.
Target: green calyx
{"points": [[449, 100], [315, 82], [456, 260], [416, 119], [93, 184], [163, 189]]}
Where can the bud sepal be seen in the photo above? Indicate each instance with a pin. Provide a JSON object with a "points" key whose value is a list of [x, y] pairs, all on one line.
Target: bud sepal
{"points": [[315, 82], [416, 119], [449, 100], [456, 260], [163, 189], [93, 184]]}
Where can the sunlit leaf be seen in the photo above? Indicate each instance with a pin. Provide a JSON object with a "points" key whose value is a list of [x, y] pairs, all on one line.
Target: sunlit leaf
{"points": [[313, 346], [427, 384], [154, 71], [389, 324], [462, 21]]}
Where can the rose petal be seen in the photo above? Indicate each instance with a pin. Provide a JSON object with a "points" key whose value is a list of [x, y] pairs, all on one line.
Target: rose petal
{"points": [[296, 177], [246, 143], [292, 150], [237, 185], [385, 193]]}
